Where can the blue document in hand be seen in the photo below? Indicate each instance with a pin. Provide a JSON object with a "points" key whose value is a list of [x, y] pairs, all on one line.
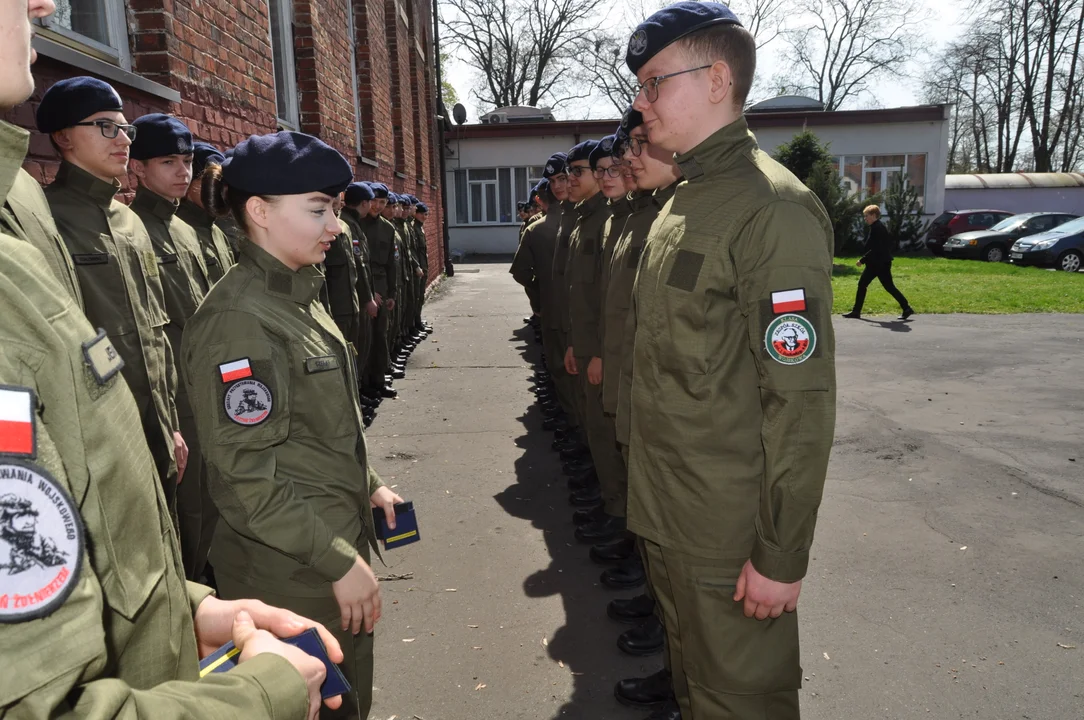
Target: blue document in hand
{"points": [[406, 526], [225, 658]]}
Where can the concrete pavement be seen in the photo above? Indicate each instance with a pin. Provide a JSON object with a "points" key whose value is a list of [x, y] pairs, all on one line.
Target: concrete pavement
{"points": [[953, 432]]}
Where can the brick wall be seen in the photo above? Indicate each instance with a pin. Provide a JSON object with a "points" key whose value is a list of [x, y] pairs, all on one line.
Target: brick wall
{"points": [[217, 55]]}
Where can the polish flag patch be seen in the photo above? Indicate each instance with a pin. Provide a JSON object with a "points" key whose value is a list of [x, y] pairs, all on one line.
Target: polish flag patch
{"points": [[235, 370], [786, 301], [16, 421]]}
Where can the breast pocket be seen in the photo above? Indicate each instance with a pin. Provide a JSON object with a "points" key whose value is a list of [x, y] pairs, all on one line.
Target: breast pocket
{"points": [[320, 392], [680, 339], [105, 293]]}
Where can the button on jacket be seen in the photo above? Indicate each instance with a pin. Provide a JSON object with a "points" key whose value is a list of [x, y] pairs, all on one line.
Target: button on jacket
{"points": [[293, 487]]}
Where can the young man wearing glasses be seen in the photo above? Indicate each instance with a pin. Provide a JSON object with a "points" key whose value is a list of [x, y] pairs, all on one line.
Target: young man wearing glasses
{"points": [[114, 260], [732, 402]]}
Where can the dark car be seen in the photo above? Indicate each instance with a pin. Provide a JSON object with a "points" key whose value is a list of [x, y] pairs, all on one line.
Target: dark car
{"points": [[954, 222], [993, 245], [1062, 248]]}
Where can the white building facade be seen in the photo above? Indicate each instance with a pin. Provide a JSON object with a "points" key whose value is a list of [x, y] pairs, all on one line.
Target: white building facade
{"points": [[492, 167]]}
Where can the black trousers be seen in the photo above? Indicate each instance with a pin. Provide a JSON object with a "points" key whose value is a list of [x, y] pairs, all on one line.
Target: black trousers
{"points": [[882, 272]]}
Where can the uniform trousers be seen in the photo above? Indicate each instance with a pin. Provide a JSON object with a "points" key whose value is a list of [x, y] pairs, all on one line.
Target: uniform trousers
{"points": [[563, 383], [724, 665], [602, 440], [357, 664], [378, 352]]}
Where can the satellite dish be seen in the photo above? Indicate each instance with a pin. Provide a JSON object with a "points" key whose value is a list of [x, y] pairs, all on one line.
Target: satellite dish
{"points": [[459, 113]]}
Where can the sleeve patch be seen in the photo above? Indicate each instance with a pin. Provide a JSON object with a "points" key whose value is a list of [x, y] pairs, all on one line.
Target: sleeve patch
{"points": [[788, 301], [235, 370], [41, 542], [248, 402], [790, 339], [102, 358], [18, 429]]}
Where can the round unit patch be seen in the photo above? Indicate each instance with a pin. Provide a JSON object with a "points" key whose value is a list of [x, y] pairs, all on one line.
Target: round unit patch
{"points": [[248, 402], [41, 543], [638, 42], [790, 339]]}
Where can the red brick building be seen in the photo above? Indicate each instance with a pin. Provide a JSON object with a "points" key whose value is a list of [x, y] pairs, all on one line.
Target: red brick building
{"points": [[359, 74]]}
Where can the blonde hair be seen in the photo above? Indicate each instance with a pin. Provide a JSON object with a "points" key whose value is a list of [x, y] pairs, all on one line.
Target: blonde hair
{"points": [[872, 210]]}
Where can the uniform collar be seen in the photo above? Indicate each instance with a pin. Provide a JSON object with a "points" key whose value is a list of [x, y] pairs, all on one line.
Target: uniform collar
{"points": [[194, 215], [14, 142], [642, 199], [591, 205], [663, 194], [719, 152], [155, 204], [302, 286], [352, 214], [79, 180]]}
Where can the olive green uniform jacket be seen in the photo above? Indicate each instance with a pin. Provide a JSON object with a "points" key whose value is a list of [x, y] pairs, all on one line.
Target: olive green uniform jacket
{"points": [[532, 267], [122, 644], [122, 290], [620, 276], [217, 254], [729, 446], [341, 276], [360, 247], [292, 481], [584, 276], [381, 236], [566, 212], [25, 212]]}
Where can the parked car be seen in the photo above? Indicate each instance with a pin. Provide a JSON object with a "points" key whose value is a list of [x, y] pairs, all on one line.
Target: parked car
{"points": [[954, 222], [993, 245], [1062, 248]]}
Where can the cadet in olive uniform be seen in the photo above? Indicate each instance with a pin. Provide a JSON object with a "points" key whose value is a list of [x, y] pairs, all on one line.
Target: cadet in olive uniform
{"points": [[274, 386], [358, 198], [341, 277], [732, 402], [381, 238], [532, 264], [117, 623], [421, 215], [114, 260], [217, 254], [162, 162]]}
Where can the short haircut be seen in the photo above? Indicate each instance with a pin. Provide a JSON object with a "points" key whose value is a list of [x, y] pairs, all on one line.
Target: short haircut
{"points": [[732, 44], [872, 210]]}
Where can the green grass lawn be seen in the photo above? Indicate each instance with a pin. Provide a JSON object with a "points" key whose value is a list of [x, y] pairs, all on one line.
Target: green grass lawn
{"points": [[940, 285]]}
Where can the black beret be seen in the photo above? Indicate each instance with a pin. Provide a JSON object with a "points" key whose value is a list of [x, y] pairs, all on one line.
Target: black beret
{"points": [[582, 151], [204, 154], [673, 23], [556, 165], [158, 135], [380, 190], [422, 208], [74, 100], [413, 200], [286, 163], [604, 149], [358, 192], [631, 119]]}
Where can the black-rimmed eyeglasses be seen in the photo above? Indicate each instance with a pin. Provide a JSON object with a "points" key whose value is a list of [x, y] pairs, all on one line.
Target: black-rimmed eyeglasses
{"points": [[650, 87], [110, 129]]}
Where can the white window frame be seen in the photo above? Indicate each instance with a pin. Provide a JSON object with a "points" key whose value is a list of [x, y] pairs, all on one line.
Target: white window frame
{"points": [[352, 29], [115, 53], [455, 182], [884, 170], [286, 38]]}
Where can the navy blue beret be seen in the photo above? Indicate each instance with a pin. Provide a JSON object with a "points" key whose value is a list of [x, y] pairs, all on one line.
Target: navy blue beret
{"points": [[204, 154], [405, 200], [542, 188], [604, 149], [380, 190], [673, 23], [631, 119], [422, 208], [582, 151], [158, 135], [413, 200], [556, 165], [286, 163], [358, 192], [74, 100]]}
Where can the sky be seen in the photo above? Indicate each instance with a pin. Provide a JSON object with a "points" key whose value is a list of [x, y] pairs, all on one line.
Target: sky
{"points": [[772, 58]]}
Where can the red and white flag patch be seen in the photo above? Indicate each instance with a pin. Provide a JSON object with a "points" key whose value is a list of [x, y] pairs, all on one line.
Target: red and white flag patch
{"points": [[16, 421], [235, 370], [785, 301]]}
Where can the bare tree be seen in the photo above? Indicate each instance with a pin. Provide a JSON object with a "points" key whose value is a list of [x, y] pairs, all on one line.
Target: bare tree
{"points": [[521, 49], [842, 46]]}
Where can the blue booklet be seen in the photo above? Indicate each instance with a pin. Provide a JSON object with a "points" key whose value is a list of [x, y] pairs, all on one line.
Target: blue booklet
{"points": [[225, 658], [406, 526]]}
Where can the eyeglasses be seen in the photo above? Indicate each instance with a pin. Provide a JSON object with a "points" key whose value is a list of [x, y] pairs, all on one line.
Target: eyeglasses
{"points": [[578, 170], [650, 87], [110, 129], [636, 145], [613, 171]]}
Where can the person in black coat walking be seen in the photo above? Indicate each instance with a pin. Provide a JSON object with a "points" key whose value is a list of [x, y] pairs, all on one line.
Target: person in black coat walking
{"points": [[878, 262]]}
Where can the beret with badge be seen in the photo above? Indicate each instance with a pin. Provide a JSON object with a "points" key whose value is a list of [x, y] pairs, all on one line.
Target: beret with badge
{"points": [[604, 149], [158, 135], [380, 190], [204, 154], [73, 100], [286, 163], [422, 207], [582, 151], [358, 192], [671, 24], [556, 165]]}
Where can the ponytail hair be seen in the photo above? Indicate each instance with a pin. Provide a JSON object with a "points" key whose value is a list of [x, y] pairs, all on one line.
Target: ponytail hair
{"points": [[219, 199]]}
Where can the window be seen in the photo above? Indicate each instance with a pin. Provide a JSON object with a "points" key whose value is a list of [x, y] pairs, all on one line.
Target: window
{"points": [[98, 27], [282, 48], [487, 196], [352, 35], [865, 175]]}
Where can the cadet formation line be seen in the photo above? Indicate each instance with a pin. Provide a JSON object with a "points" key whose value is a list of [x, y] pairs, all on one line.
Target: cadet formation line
{"points": [[194, 373]]}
